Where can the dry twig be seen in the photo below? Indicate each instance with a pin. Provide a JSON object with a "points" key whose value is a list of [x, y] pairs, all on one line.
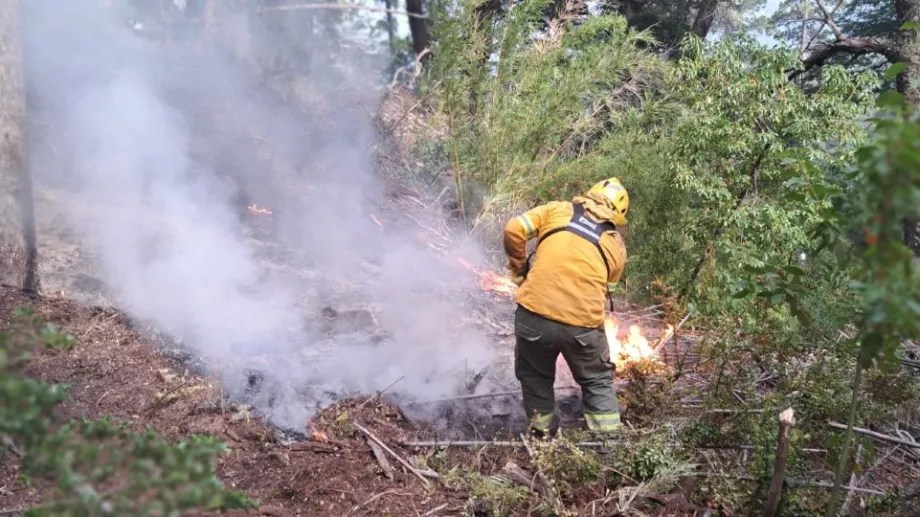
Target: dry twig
{"points": [[374, 498], [397, 457], [876, 435]]}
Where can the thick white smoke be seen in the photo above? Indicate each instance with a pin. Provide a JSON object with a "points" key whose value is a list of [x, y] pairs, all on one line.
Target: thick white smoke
{"points": [[159, 142]]}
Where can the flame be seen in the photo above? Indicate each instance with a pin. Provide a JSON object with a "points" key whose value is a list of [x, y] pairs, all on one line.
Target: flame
{"points": [[634, 347], [317, 435], [254, 208], [490, 281]]}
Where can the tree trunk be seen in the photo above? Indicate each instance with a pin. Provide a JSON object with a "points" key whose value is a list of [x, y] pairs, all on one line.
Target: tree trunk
{"points": [[391, 27], [418, 27], [909, 85], [18, 254], [704, 18]]}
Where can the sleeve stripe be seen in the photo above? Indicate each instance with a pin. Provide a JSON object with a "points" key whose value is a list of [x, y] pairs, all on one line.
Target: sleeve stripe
{"points": [[529, 230]]}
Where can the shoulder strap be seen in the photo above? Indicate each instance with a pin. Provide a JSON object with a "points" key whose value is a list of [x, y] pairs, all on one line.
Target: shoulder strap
{"points": [[584, 228]]}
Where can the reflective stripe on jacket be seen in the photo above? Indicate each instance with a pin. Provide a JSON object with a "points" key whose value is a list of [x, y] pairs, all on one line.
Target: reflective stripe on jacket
{"points": [[567, 280]]}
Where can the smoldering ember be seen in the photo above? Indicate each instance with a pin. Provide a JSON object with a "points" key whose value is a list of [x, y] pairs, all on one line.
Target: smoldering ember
{"points": [[273, 257]]}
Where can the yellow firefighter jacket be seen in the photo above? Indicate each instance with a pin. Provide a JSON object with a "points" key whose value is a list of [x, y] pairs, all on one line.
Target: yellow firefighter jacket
{"points": [[567, 280]]}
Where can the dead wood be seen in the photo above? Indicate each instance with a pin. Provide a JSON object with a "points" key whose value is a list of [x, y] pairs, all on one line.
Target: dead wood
{"points": [[877, 435], [775, 493], [521, 476], [312, 447], [273, 511], [381, 459], [374, 498], [617, 384], [397, 457], [434, 510], [485, 443]]}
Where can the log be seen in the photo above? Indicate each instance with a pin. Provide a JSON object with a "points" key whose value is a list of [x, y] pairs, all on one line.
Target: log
{"points": [[381, 459], [617, 384], [519, 475], [876, 435], [484, 443], [312, 447], [775, 493], [397, 457]]}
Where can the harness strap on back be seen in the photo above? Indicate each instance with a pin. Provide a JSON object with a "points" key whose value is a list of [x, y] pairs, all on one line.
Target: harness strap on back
{"points": [[584, 228]]}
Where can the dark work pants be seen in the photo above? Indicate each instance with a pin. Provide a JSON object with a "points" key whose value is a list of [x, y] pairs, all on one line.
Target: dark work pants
{"points": [[539, 343]]}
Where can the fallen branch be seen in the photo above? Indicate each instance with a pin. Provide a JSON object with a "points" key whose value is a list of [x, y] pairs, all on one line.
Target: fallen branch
{"points": [[617, 384], [876, 435], [519, 475], [484, 443], [793, 483], [397, 457], [434, 510], [775, 493], [311, 447], [374, 498], [381, 459]]}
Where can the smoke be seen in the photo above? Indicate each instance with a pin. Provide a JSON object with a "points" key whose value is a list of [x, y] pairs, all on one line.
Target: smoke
{"points": [[161, 135]]}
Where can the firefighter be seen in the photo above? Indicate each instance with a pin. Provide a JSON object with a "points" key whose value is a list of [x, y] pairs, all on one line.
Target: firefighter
{"points": [[564, 286]]}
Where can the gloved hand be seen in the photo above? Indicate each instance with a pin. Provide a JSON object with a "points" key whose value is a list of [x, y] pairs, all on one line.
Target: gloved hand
{"points": [[516, 276]]}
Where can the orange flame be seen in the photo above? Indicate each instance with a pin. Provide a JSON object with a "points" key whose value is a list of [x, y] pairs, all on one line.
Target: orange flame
{"points": [[254, 208], [489, 281], [634, 347], [317, 435]]}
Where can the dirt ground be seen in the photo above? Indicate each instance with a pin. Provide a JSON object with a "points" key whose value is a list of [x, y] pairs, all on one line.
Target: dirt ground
{"points": [[112, 370]]}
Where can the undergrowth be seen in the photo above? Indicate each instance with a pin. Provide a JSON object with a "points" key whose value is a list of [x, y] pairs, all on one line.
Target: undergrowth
{"points": [[96, 467]]}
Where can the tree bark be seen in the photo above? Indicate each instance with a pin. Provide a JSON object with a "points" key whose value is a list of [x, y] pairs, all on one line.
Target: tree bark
{"points": [[18, 252], [909, 86], [391, 27], [775, 493], [704, 17], [418, 27]]}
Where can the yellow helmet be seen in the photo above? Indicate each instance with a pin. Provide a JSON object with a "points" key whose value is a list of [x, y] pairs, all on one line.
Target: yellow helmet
{"points": [[614, 193]]}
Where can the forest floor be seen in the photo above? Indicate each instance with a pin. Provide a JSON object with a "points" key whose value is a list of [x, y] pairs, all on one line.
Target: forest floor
{"points": [[113, 370]]}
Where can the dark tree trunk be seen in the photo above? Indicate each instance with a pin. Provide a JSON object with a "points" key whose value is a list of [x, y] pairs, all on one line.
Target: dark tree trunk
{"points": [[909, 50], [704, 18], [418, 27], [18, 253], [391, 27]]}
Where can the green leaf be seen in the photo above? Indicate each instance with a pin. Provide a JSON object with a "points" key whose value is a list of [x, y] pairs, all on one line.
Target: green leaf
{"points": [[894, 70], [910, 26], [742, 293], [890, 99]]}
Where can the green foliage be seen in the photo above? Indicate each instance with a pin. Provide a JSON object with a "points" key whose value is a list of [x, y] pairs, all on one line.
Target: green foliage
{"points": [[743, 157], [647, 455], [500, 494], [91, 467], [566, 465], [539, 123]]}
